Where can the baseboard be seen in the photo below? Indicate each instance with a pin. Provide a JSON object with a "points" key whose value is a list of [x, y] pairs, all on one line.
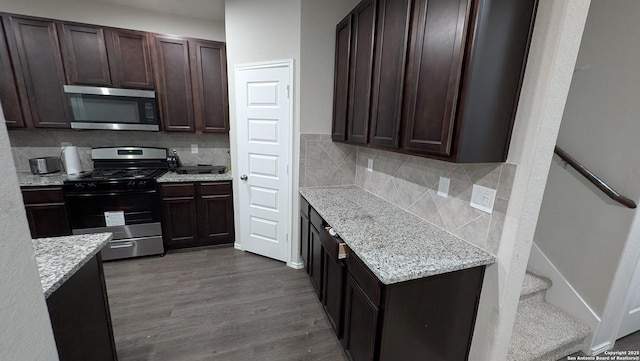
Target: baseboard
{"points": [[598, 349], [295, 265], [562, 294], [238, 246]]}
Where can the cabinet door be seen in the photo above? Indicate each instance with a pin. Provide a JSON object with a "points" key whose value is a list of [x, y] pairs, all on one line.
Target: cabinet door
{"points": [[315, 259], [333, 291], [130, 59], [85, 55], [392, 36], [34, 45], [48, 220], [304, 240], [360, 72], [209, 76], [10, 90], [341, 80], [179, 219], [435, 65], [360, 324], [215, 213], [173, 80]]}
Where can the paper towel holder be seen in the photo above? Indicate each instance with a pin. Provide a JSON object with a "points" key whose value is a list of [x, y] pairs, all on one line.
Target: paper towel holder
{"points": [[72, 164]]}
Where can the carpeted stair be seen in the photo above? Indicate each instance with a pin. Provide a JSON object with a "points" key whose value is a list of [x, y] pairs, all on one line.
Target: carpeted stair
{"points": [[543, 332]]}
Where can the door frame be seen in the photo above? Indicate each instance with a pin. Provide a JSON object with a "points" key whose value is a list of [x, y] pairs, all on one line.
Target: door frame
{"points": [[287, 63]]}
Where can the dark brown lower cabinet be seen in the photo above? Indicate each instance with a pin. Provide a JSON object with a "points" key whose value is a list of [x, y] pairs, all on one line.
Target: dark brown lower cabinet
{"points": [[430, 318], [80, 316], [304, 233], [46, 211], [197, 214]]}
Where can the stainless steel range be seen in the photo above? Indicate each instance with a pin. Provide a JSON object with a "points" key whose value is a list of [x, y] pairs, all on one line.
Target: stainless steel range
{"points": [[120, 196]]}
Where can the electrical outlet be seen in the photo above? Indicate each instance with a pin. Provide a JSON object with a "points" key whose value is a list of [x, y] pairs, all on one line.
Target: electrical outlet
{"points": [[370, 165], [443, 187], [194, 149], [483, 198], [64, 145]]}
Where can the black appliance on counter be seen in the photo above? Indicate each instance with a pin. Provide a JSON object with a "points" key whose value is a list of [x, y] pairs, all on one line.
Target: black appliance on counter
{"points": [[120, 196]]}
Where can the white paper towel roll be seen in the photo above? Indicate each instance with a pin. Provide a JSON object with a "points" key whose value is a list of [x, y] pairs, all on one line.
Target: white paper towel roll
{"points": [[72, 160]]}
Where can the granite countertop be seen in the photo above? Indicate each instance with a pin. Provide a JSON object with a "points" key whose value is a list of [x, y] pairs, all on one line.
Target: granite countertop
{"points": [[59, 258], [26, 179], [171, 177], [396, 245]]}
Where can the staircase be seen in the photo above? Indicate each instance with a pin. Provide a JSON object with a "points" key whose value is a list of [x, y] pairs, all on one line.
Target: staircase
{"points": [[543, 332]]}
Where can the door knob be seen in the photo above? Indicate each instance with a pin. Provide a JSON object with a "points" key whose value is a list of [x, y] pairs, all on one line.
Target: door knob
{"points": [[244, 177]]}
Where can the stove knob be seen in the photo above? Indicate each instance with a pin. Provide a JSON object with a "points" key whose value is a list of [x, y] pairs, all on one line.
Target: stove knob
{"points": [[142, 183], [92, 186], [79, 186], [131, 184]]}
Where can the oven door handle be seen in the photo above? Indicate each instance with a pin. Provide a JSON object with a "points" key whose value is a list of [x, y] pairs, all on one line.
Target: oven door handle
{"points": [[111, 194]]}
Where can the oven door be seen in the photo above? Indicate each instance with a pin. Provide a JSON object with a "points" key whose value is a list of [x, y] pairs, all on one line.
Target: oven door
{"points": [[112, 108], [87, 209]]}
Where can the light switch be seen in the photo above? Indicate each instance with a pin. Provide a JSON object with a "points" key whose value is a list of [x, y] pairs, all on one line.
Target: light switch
{"points": [[483, 198], [194, 149], [443, 187], [370, 165]]}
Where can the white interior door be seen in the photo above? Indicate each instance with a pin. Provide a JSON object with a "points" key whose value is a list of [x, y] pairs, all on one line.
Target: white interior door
{"points": [[264, 115]]}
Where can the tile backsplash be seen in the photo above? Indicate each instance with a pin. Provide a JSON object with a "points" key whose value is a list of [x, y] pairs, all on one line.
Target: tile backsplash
{"points": [[411, 183], [212, 148], [325, 163]]}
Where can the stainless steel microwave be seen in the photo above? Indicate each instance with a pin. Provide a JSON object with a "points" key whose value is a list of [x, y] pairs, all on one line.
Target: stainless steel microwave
{"points": [[112, 109]]}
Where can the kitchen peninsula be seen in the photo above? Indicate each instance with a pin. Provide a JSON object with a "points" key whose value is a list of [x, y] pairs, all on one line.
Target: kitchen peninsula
{"points": [[72, 280]]}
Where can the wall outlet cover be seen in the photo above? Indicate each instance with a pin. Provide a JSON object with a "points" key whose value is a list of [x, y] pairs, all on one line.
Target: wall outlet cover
{"points": [[443, 187], [194, 149], [370, 165], [483, 198]]}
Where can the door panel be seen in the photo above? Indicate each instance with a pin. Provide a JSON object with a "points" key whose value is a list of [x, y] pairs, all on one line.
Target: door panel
{"points": [[264, 121], [341, 80], [10, 90], [215, 222], [209, 72], [130, 59], [85, 55]]}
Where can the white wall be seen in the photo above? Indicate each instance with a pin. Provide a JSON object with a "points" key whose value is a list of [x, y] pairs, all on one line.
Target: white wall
{"points": [[317, 57], [554, 48], [108, 14], [581, 230], [258, 31], [25, 330]]}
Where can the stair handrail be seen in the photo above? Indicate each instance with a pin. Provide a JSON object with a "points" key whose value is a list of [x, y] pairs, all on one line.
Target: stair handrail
{"points": [[591, 177]]}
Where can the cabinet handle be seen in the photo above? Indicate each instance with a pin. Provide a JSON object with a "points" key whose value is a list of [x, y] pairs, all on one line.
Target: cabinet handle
{"points": [[244, 177]]}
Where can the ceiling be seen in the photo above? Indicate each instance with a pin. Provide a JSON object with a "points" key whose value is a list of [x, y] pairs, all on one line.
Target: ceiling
{"points": [[199, 9]]}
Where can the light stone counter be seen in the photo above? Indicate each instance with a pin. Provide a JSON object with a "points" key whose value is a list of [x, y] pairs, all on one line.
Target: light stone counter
{"points": [[396, 245], [26, 179], [171, 177], [59, 258]]}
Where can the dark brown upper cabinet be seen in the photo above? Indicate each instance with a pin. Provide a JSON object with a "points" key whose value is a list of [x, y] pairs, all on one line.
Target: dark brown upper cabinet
{"points": [[209, 74], [388, 71], [84, 50], [433, 75], [360, 71], [35, 54], [10, 91], [100, 56], [173, 79], [446, 77], [130, 59], [341, 80], [192, 84]]}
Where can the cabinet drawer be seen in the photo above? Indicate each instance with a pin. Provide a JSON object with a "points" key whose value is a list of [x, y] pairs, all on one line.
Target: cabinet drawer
{"points": [[42, 195], [304, 206], [208, 189], [367, 280], [175, 190], [331, 244], [315, 219]]}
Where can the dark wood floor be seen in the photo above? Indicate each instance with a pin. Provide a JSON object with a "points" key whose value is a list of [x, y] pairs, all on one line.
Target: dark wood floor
{"points": [[628, 343], [216, 304]]}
